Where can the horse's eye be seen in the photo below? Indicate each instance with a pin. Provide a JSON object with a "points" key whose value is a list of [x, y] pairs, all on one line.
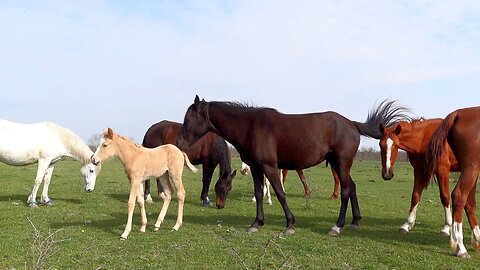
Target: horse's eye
{"points": [[104, 145], [91, 170]]}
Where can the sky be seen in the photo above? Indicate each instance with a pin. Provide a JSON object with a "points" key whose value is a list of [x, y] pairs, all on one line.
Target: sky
{"points": [[88, 65]]}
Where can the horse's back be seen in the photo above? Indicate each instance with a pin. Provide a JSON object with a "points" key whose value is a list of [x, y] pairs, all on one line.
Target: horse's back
{"points": [[161, 133]]}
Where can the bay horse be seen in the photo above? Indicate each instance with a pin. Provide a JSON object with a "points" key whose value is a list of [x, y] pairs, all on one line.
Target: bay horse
{"points": [[460, 129], [210, 150], [413, 137], [165, 162], [268, 140], [44, 143]]}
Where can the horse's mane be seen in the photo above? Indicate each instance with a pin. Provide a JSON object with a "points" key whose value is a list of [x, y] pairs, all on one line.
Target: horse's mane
{"points": [[129, 140], [242, 107]]}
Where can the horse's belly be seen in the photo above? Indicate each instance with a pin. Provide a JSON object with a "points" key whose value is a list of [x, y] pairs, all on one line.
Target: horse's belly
{"points": [[17, 160]]}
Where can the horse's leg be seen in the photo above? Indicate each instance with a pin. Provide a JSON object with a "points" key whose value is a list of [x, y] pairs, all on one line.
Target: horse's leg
{"points": [[460, 194], [334, 195], [355, 207], [177, 180], [42, 168], [166, 195], [342, 167], [147, 194], [46, 183], [141, 205], [257, 174], [470, 210], [283, 178], [134, 190], [418, 187], [206, 180], [266, 191], [306, 187], [443, 178], [274, 176]]}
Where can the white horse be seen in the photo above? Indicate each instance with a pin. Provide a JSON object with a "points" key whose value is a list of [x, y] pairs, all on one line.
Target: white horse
{"points": [[45, 143], [266, 187]]}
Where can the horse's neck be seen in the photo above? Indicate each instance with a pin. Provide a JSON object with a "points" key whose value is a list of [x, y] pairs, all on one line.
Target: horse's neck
{"points": [[412, 140], [126, 151], [230, 131], [78, 150]]}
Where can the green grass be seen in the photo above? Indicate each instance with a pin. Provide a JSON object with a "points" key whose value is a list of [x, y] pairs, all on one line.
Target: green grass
{"points": [[87, 226]]}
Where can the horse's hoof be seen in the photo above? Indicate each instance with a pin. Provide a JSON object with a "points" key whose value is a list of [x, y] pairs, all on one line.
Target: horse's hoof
{"points": [[403, 231], [335, 231], [354, 227], [444, 234], [288, 231], [252, 230], [206, 203], [33, 205], [122, 238], [464, 255], [333, 197], [47, 203]]}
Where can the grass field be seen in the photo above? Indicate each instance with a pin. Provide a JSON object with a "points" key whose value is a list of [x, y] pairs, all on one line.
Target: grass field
{"points": [[85, 228]]}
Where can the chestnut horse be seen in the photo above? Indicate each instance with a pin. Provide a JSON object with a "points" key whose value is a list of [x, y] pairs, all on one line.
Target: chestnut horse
{"points": [[461, 130], [413, 137], [210, 150], [268, 140], [165, 162]]}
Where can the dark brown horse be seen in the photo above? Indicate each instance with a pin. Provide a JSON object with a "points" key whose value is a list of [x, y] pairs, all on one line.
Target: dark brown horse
{"points": [[210, 150], [461, 129], [413, 137], [268, 140]]}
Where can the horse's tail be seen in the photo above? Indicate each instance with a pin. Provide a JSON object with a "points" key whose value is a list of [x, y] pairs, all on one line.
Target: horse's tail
{"points": [[437, 144], [188, 164], [387, 113]]}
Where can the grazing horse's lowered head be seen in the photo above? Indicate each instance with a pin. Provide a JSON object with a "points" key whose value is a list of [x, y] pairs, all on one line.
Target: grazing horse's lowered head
{"points": [[89, 172]]}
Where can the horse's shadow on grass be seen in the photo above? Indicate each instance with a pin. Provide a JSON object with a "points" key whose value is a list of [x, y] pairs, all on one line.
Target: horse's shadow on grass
{"points": [[23, 198]]}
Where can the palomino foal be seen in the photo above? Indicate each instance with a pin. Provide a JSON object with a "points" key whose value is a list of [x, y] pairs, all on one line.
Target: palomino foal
{"points": [[165, 162]]}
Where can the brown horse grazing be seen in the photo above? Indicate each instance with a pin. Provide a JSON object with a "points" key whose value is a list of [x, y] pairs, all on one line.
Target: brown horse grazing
{"points": [[210, 150], [461, 130], [268, 140], [413, 137], [141, 163]]}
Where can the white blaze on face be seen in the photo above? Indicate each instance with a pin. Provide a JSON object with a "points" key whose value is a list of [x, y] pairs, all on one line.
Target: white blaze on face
{"points": [[388, 162]]}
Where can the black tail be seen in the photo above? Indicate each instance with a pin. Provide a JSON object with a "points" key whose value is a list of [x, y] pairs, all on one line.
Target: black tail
{"points": [[386, 113]]}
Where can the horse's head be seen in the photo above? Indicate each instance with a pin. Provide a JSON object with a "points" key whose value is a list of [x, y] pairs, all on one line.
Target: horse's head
{"points": [[106, 148], [223, 187], [389, 144], [195, 124], [89, 173]]}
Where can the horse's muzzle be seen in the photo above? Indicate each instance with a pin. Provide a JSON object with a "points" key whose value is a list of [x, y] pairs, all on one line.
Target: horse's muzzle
{"points": [[387, 176], [89, 190]]}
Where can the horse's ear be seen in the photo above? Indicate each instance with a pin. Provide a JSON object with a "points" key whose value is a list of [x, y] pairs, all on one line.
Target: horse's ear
{"points": [[381, 127], [109, 133], [197, 100], [398, 129]]}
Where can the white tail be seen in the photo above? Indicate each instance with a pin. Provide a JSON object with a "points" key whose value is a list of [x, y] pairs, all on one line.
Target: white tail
{"points": [[188, 164]]}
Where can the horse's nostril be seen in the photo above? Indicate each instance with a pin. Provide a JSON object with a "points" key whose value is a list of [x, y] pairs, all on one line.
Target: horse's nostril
{"points": [[89, 190]]}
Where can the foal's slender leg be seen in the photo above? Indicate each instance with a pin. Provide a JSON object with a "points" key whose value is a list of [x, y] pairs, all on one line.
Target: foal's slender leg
{"points": [[459, 199], [42, 168], [134, 190], [177, 180], [141, 205], [167, 197], [274, 176], [257, 174], [46, 183], [418, 187]]}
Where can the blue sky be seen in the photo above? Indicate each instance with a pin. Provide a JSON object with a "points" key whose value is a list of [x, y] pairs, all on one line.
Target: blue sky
{"points": [[128, 64]]}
